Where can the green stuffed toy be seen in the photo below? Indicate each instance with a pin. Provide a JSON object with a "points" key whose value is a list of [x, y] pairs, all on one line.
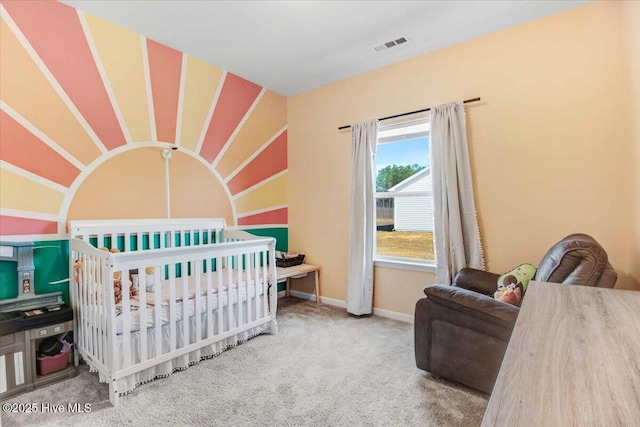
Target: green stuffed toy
{"points": [[513, 284]]}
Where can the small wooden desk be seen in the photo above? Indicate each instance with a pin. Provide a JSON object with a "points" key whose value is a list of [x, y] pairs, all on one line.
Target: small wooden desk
{"points": [[572, 360], [297, 271]]}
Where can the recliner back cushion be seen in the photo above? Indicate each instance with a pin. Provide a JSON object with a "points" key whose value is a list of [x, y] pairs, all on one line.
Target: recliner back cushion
{"points": [[576, 260]]}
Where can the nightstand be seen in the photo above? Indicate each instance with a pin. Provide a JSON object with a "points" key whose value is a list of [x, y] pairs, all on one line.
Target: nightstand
{"points": [[298, 271]]}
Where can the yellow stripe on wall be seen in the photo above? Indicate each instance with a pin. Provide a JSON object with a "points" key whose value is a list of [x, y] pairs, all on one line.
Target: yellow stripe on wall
{"points": [[201, 83], [25, 89], [269, 116], [120, 51], [17, 192], [273, 193]]}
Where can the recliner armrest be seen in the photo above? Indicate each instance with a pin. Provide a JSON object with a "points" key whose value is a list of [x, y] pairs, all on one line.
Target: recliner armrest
{"points": [[474, 304], [477, 280]]}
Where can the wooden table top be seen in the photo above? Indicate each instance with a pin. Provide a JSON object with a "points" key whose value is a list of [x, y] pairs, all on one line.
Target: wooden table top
{"points": [[573, 360], [295, 270]]}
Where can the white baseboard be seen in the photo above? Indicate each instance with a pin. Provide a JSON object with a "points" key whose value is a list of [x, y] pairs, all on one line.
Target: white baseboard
{"points": [[407, 318], [305, 295]]}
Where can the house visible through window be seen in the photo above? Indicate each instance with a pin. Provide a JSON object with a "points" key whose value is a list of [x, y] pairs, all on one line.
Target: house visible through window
{"points": [[404, 194]]}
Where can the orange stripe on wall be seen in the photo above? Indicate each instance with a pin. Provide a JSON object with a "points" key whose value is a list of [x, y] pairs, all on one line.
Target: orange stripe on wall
{"points": [[27, 91], [12, 225], [54, 31], [276, 216], [236, 97], [18, 147], [267, 118], [270, 161], [165, 65]]}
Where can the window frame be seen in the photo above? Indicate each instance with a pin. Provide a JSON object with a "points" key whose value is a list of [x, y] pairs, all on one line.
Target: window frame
{"points": [[392, 137]]}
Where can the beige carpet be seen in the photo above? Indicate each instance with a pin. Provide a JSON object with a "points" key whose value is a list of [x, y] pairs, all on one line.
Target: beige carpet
{"points": [[324, 368]]}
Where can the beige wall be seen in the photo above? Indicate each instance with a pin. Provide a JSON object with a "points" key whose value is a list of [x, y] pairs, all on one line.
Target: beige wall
{"points": [[550, 145], [630, 11]]}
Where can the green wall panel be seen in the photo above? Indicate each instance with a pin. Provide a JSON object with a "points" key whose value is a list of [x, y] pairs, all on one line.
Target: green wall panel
{"points": [[282, 242], [281, 234]]}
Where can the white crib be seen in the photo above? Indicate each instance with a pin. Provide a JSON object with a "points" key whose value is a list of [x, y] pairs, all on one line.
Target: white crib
{"points": [[190, 289]]}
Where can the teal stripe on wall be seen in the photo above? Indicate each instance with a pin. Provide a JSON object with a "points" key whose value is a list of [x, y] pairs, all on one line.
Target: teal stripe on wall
{"points": [[51, 260], [281, 234]]}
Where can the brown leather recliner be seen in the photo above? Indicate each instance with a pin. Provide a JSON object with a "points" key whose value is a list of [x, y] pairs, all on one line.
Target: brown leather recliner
{"points": [[461, 331]]}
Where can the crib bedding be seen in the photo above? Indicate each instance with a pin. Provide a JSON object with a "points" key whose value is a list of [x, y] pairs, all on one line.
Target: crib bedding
{"points": [[192, 286], [134, 316]]}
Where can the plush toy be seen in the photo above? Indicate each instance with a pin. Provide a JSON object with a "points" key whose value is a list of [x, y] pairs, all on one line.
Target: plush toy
{"points": [[149, 278], [510, 294], [512, 285], [77, 266], [117, 281]]}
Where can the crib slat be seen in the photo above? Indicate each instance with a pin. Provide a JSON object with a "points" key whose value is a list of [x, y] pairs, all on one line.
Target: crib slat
{"points": [[256, 283], [127, 242], [92, 292], [172, 306], [185, 304], [220, 293], [104, 325], [91, 298], [239, 259], [107, 294], [142, 315], [97, 337], [248, 280], [82, 297], [210, 302], [157, 323], [197, 268], [126, 324], [265, 284], [229, 292], [86, 291]]}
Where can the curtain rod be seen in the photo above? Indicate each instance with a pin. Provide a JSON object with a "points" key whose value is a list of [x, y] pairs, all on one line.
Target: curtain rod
{"points": [[466, 101]]}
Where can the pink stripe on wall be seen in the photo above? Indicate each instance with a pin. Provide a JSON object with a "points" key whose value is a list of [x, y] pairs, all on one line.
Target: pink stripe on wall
{"points": [[165, 66], [269, 162], [236, 97], [18, 146], [276, 216], [12, 225], [54, 31]]}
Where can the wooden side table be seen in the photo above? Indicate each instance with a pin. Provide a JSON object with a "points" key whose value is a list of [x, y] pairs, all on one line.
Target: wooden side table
{"points": [[298, 271]]}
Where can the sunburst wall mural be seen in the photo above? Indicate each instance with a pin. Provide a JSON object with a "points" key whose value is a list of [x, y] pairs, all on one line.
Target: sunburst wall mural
{"points": [[87, 108]]}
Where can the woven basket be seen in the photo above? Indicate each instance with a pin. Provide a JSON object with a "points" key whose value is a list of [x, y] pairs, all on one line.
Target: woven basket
{"points": [[289, 262]]}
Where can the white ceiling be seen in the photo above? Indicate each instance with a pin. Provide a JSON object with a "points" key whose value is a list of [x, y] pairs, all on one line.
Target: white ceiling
{"points": [[294, 46]]}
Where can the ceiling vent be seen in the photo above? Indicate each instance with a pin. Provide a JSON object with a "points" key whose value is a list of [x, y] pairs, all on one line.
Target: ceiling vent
{"points": [[390, 44]]}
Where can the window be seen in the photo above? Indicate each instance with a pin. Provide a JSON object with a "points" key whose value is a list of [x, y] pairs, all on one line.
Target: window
{"points": [[404, 195]]}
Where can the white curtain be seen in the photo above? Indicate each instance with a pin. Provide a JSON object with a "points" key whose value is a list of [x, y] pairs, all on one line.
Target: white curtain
{"points": [[363, 216], [457, 237]]}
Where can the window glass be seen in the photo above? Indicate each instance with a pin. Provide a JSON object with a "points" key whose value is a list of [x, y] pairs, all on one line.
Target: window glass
{"points": [[404, 194]]}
